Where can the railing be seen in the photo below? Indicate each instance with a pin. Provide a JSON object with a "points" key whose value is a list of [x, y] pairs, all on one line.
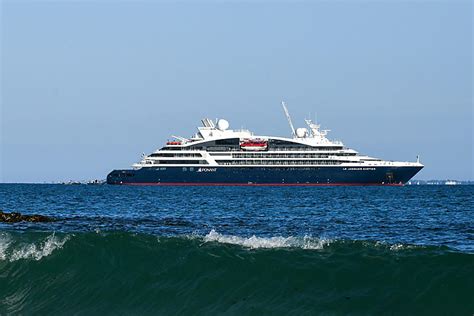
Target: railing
{"points": [[277, 163]]}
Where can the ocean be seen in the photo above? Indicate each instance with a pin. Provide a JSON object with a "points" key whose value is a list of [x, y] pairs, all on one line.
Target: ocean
{"points": [[238, 250]]}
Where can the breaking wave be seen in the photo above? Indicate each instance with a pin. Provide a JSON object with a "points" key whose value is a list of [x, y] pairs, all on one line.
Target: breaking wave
{"points": [[255, 242], [35, 250]]}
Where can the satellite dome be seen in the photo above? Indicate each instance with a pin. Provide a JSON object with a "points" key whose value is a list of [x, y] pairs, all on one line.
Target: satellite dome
{"points": [[301, 132], [222, 125]]}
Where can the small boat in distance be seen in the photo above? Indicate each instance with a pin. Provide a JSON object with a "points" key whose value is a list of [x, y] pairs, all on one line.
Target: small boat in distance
{"points": [[217, 155]]}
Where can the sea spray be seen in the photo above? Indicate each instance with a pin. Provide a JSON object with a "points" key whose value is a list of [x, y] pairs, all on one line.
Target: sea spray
{"points": [[4, 244], [39, 250], [35, 250]]}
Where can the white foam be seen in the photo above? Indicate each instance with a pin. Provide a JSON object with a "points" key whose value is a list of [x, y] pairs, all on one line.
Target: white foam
{"points": [[40, 250], [255, 242], [5, 242], [397, 247]]}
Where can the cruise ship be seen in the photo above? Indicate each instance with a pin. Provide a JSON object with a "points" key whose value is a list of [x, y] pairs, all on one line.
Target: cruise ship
{"points": [[217, 155]]}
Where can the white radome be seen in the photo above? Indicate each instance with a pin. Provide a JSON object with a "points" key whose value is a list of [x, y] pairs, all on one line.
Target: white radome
{"points": [[222, 124], [301, 132]]}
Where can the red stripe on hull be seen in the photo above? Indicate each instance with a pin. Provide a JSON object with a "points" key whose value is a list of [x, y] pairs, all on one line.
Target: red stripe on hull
{"points": [[262, 184]]}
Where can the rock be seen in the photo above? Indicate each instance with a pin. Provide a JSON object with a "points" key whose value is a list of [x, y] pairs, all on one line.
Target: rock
{"points": [[17, 217]]}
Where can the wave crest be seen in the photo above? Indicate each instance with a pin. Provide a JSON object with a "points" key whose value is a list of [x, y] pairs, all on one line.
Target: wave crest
{"points": [[255, 242], [34, 251]]}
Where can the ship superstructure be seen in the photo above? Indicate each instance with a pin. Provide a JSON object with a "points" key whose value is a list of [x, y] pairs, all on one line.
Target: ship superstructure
{"points": [[217, 155]]}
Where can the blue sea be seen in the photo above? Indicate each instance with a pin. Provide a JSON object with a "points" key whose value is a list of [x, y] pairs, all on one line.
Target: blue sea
{"points": [[238, 250]]}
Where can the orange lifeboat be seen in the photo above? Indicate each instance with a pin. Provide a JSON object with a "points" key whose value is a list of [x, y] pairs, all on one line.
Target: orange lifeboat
{"points": [[173, 143]]}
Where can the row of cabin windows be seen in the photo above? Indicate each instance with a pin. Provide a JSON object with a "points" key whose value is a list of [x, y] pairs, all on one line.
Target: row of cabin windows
{"points": [[261, 168], [276, 168], [179, 162], [175, 155], [279, 162], [292, 155]]}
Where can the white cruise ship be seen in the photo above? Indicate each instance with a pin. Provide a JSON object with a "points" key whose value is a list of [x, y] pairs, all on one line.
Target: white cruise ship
{"points": [[217, 155]]}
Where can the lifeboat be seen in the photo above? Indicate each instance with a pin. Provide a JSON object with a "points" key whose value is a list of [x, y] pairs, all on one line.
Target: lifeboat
{"points": [[254, 144], [173, 143]]}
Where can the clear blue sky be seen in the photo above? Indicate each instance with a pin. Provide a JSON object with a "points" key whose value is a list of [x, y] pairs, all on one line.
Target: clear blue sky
{"points": [[88, 86]]}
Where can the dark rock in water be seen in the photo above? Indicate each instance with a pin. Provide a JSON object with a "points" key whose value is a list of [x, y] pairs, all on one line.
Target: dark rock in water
{"points": [[17, 217]]}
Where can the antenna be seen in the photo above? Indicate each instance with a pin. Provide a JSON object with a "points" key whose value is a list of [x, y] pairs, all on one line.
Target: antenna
{"points": [[288, 117]]}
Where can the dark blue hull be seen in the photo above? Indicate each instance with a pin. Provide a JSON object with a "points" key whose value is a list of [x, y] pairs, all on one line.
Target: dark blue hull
{"points": [[264, 176]]}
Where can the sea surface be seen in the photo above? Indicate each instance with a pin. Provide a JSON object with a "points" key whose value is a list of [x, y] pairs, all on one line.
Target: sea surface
{"points": [[238, 250]]}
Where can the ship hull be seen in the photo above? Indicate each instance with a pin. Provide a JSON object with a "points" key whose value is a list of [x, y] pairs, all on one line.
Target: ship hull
{"points": [[264, 176]]}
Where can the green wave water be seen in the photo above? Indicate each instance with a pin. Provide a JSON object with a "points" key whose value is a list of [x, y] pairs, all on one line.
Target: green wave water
{"points": [[127, 273]]}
